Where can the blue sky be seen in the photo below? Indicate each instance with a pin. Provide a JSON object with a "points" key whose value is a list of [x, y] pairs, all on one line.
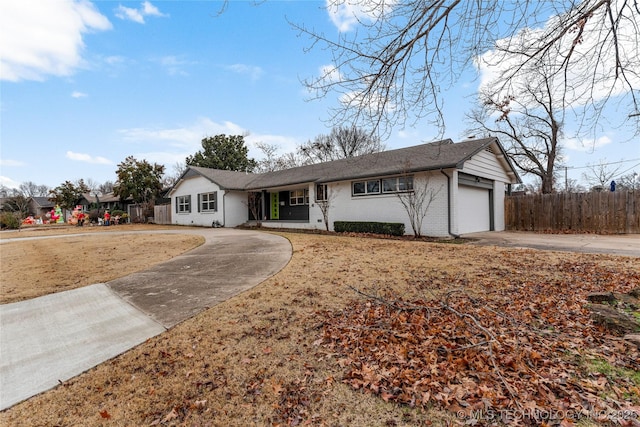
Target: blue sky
{"points": [[86, 84]]}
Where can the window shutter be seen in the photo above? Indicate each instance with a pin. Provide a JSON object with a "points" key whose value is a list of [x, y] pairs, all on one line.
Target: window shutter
{"points": [[198, 202], [215, 201], [177, 202], [189, 203]]}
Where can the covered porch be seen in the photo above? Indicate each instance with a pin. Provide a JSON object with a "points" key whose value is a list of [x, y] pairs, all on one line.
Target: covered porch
{"points": [[289, 204]]}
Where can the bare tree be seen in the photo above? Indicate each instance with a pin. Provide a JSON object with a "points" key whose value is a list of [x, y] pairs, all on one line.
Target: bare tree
{"points": [[170, 179], [272, 161], [31, 189], [324, 200], [573, 186], [629, 182], [18, 205], [600, 175], [106, 187], [341, 143], [416, 198], [5, 191], [396, 67], [91, 184], [254, 201], [528, 122]]}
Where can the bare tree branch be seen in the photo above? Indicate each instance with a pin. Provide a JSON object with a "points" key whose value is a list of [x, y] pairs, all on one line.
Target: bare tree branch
{"points": [[394, 68]]}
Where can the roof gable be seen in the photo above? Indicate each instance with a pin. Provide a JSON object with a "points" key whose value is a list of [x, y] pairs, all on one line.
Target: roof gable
{"points": [[227, 180]]}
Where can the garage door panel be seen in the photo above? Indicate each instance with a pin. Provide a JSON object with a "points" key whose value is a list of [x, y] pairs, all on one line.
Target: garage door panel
{"points": [[474, 212]]}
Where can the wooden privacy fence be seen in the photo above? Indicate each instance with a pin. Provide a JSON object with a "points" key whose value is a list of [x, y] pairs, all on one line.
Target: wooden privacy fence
{"points": [[604, 212], [162, 214]]}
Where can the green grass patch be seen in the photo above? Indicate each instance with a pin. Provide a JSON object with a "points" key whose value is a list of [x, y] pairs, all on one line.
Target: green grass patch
{"points": [[613, 373]]}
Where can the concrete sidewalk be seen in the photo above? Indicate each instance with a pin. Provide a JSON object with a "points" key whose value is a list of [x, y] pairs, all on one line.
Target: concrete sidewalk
{"points": [[619, 244], [48, 340]]}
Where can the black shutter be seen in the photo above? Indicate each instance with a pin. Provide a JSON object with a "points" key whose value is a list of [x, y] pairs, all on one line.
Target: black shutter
{"points": [[198, 202]]}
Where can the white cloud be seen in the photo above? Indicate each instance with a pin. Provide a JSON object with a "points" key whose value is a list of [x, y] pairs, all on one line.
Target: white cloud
{"points": [[40, 38], [76, 94], [150, 10], [586, 144], [114, 60], [254, 72], [347, 15], [86, 158], [589, 76], [138, 15], [130, 14], [330, 73], [187, 137], [177, 143], [174, 65], [285, 144], [11, 163], [372, 103], [8, 182]]}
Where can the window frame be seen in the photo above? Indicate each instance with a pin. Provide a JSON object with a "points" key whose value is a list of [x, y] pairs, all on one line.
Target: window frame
{"points": [[367, 185], [299, 197], [401, 184], [208, 202], [323, 194], [183, 204], [371, 187]]}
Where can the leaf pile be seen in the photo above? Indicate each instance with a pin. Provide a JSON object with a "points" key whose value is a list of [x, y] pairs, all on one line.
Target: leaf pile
{"points": [[517, 345]]}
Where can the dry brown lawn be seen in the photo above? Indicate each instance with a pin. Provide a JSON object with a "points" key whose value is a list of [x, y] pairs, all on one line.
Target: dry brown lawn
{"points": [[258, 359], [80, 257]]}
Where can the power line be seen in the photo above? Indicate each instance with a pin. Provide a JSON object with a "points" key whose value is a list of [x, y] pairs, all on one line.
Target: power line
{"points": [[623, 172], [601, 164]]}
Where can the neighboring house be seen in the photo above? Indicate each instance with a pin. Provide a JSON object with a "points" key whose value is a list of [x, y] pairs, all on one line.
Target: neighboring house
{"points": [[108, 201], [469, 180], [40, 206]]}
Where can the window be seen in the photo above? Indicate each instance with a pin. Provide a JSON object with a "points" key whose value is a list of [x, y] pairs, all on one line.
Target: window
{"points": [[362, 188], [183, 204], [321, 193], [208, 202], [397, 184], [299, 197]]}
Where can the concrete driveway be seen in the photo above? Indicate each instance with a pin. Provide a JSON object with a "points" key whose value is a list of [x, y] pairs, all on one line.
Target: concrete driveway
{"points": [[622, 244], [48, 340]]}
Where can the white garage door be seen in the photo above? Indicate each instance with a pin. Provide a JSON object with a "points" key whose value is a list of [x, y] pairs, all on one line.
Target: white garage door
{"points": [[474, 213]]}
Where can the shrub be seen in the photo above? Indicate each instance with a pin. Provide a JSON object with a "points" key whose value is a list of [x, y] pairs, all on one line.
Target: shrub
{"points": [[9, 220], [119, 212], [388, 228]]}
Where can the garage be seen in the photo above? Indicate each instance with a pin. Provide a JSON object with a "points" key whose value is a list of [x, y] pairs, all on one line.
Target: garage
{"points": [[475, 204]]}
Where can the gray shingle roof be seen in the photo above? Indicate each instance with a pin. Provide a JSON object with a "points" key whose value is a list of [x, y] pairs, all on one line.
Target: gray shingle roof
{"points": [[433, 156], [227, 180], [43, 201]]}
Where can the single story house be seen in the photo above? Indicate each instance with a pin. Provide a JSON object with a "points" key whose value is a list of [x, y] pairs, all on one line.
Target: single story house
{"points": [[107, 201], [464, 182], [39, 206]]}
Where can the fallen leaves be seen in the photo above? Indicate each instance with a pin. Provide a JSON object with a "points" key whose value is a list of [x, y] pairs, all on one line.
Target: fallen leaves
{"points": [[517, 345]]}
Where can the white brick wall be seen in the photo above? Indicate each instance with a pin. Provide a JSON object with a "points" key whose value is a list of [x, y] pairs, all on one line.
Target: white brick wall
{"points": [[345, 207], [383, 207], [236, 210]]}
